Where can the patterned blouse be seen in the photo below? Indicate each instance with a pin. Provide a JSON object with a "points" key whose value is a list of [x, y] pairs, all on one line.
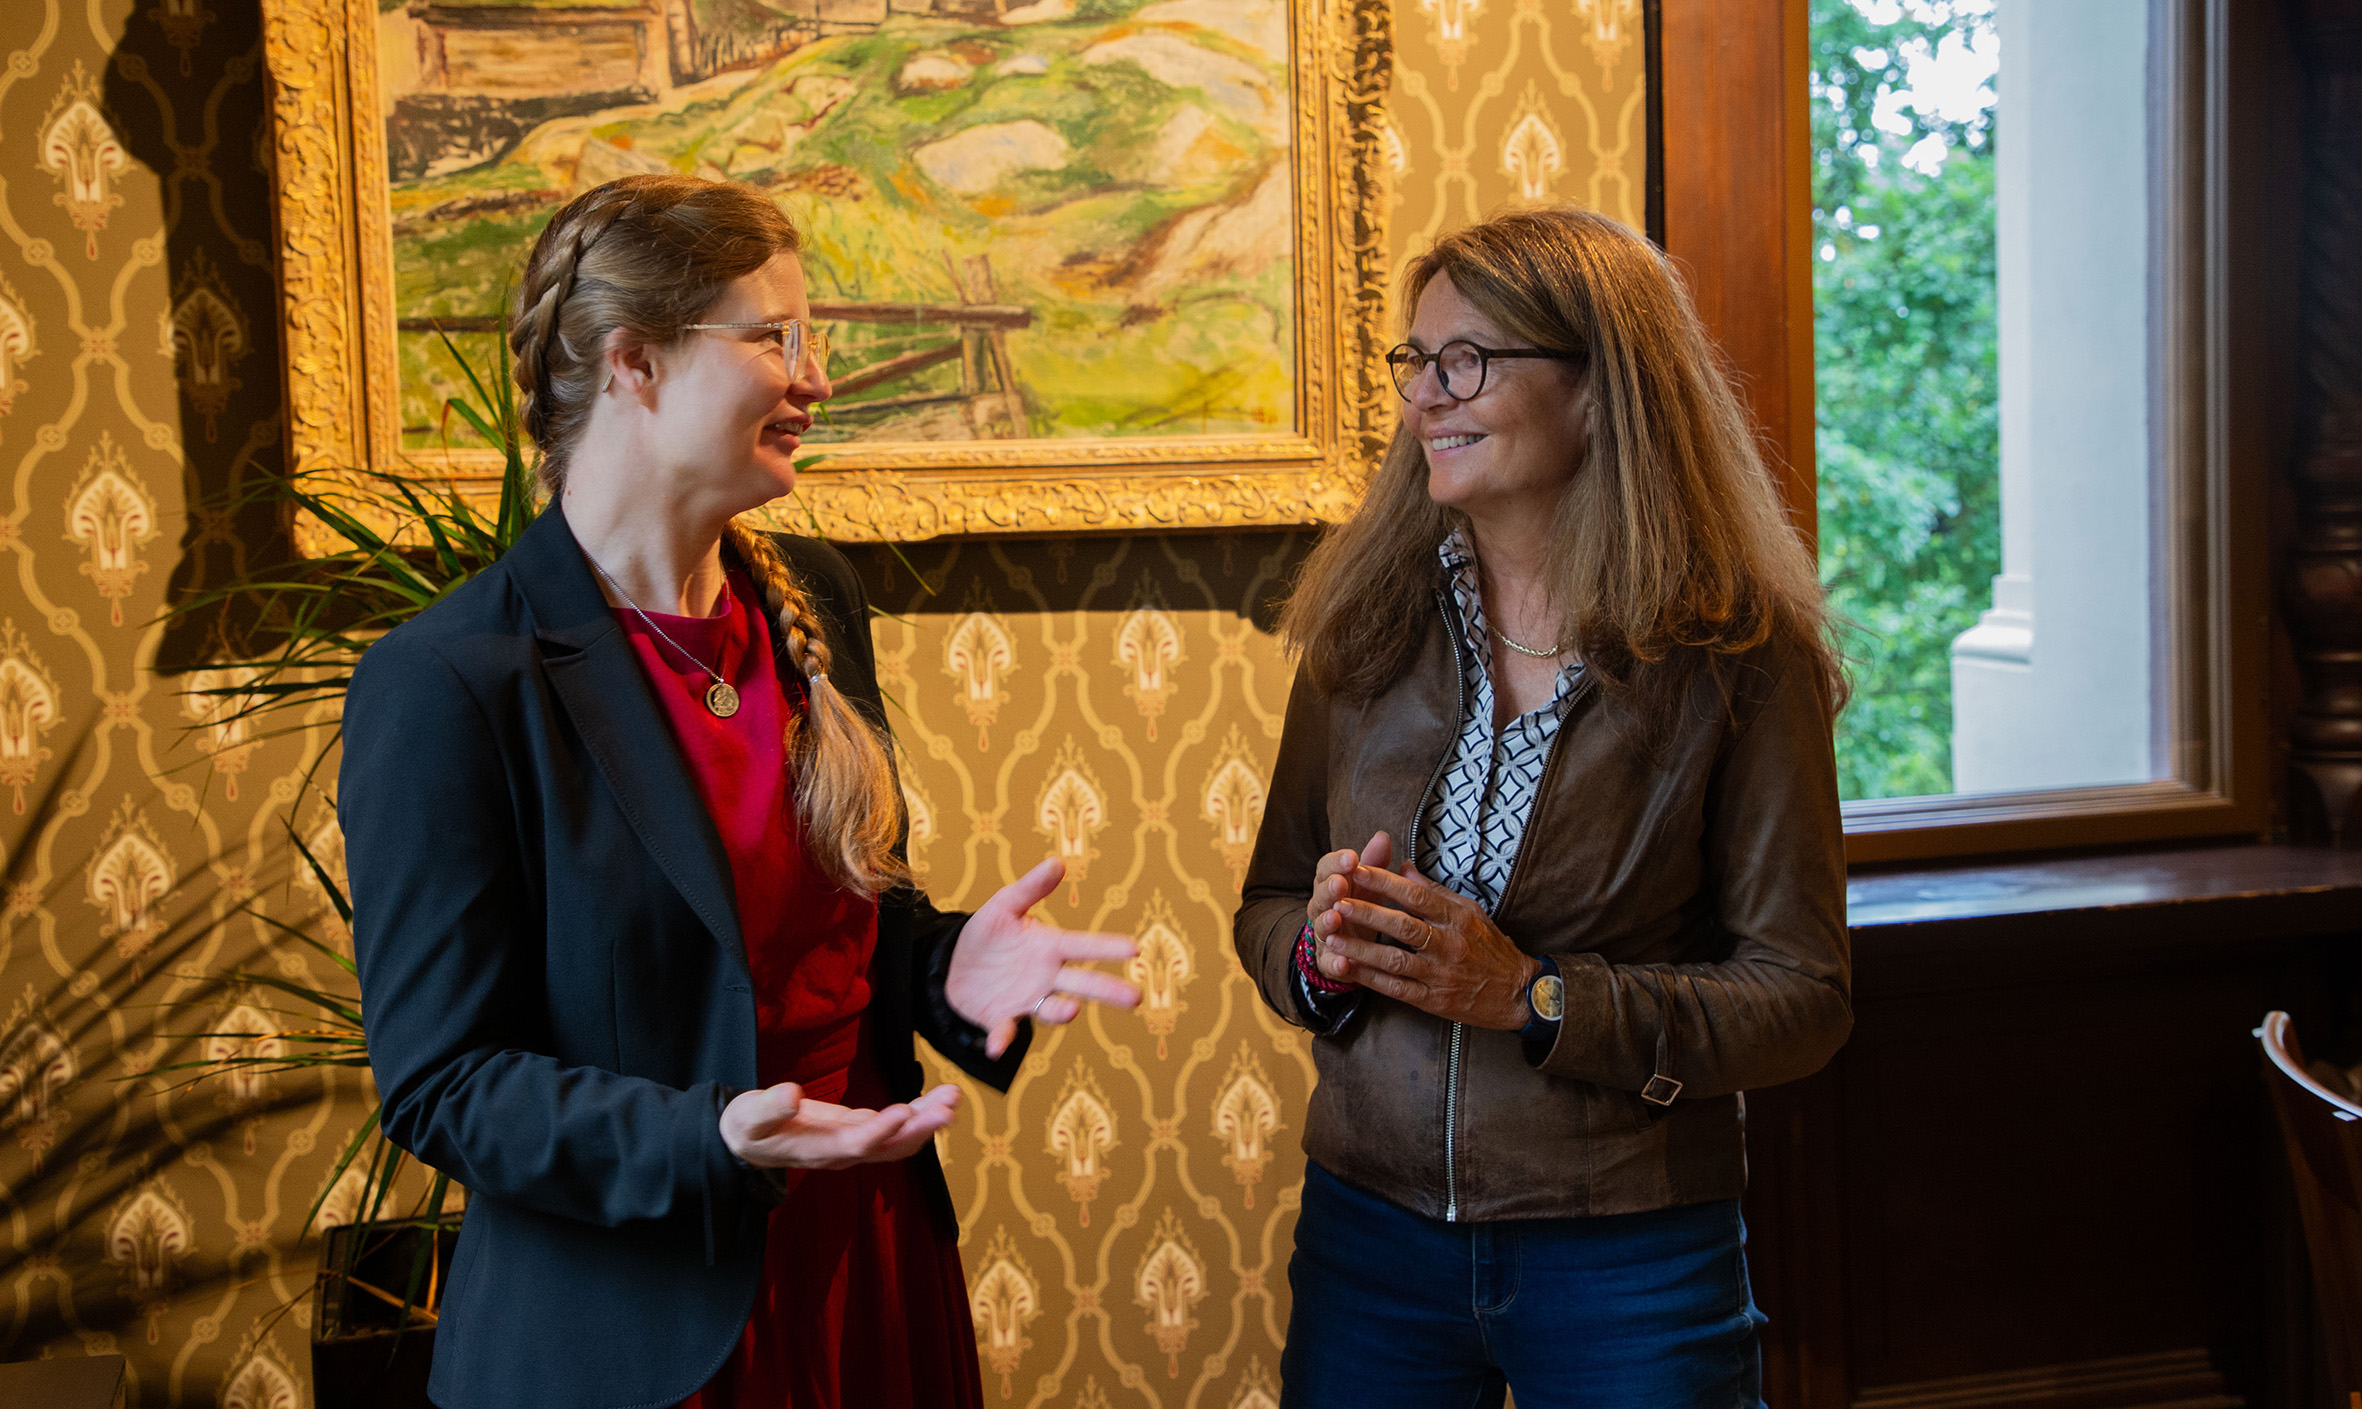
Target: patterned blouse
{"points": [[1477, 815]]}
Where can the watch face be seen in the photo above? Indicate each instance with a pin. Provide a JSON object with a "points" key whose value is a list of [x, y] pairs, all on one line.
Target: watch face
{"points": [[1549, 997]]}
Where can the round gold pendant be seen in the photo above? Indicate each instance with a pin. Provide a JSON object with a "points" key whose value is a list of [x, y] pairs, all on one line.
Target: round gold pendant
{"points": [[722, 699]]}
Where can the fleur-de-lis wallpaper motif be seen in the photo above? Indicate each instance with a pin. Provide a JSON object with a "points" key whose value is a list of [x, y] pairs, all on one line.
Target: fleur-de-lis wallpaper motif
{"points": [[1072, 810], [28, 711], [1614, 28], [980, 655], [183, 23], [1170, 1283], [79, 148], [17, 346], [1246, 1116], [1082, 1131], [261, 1382], [148, 1234], [918, 811], [1233, 802], [129, 866], [1259, 1389], [342, 1205], [1148, 646], [1451, 36], [1163, 967], [205, 335], [1002, 1298], [37, 1064], [127, 875], [214, 699], [326, 845], [243, 1034], [1532, 155], [112, 515]]}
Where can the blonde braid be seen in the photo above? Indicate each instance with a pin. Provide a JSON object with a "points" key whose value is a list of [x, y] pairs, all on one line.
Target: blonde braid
{"points": [[536, 333], [846, 796]]}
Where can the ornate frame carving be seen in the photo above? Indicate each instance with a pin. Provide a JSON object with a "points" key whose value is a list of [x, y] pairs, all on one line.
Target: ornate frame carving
{"points": [[337, 318]]}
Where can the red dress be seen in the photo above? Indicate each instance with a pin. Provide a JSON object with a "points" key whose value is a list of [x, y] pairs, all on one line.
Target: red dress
{"points": [[862, 1301]]}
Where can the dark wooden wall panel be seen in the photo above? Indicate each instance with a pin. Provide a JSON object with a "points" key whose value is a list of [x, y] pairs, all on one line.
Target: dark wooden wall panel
{"points": [[2044, 1175]]}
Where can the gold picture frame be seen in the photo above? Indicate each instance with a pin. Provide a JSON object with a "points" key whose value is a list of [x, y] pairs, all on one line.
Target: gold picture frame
{"points": [[338, 320]]}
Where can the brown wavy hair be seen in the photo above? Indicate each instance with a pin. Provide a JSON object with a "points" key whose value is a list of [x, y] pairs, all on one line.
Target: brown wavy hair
{"points": [[650, 254], [1671, 548]]}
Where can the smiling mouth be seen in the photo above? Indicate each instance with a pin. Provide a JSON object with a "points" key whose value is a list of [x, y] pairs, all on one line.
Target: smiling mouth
{"points": [[785, 427], [1452, 442]]}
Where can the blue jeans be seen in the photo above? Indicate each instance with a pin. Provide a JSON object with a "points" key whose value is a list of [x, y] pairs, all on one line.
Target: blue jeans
{"points": [[1646, 1310]]}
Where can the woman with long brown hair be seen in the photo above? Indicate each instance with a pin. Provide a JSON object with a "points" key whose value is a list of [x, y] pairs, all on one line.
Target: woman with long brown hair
{"points": [[641, 957], [1552, 866]]}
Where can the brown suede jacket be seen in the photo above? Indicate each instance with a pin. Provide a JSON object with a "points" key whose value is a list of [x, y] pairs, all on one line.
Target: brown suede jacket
{"points": [[1692, 894]]}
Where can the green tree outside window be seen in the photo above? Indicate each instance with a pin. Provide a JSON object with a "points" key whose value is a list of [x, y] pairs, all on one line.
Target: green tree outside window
{"points": [[1907, 403]]}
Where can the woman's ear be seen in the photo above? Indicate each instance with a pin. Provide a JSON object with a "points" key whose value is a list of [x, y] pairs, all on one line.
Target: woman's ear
{"points": [[629, 366]]}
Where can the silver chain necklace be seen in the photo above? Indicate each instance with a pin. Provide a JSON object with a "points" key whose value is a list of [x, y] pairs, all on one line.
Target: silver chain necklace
{"points": [[721, 697]]}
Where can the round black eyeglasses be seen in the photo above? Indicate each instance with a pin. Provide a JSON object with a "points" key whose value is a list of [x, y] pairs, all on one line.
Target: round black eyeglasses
{"points": [[1459, 364]]}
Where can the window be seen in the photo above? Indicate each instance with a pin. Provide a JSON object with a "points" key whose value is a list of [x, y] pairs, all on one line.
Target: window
{"points": [[2023, 506]]}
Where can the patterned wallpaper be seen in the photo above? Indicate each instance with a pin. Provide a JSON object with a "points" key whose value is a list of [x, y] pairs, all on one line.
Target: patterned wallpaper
{"points": [[1127, 1209]]}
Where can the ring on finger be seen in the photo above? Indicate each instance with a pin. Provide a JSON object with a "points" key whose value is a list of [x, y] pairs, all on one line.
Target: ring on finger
{"points": [[1036, 1010], [1427, 932]]}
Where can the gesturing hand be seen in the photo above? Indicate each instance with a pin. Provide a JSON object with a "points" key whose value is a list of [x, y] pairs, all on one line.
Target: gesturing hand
{"points": [[1009, 965], [1457, 965], [776, 1128]]}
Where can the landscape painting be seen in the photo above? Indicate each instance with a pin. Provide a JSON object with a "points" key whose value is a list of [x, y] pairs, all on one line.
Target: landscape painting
{"points": [[1065, 219]]}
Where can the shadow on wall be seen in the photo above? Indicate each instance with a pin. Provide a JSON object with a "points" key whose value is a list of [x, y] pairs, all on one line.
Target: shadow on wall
{"points": [[220, 328]]}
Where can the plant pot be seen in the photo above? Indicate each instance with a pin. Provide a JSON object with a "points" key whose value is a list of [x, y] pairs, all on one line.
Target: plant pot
{"points": [[370, 1350]]}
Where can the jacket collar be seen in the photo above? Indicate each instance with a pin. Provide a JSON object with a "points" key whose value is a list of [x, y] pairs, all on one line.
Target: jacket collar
{"points": [[598, 681]]}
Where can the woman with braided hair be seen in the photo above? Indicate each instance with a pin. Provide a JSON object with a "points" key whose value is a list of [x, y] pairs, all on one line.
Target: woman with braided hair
{"points": [[642, 959]]}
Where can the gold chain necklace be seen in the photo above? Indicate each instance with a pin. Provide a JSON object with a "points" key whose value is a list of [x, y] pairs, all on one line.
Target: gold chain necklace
{"points": [[722, 696], [1503, 637]]}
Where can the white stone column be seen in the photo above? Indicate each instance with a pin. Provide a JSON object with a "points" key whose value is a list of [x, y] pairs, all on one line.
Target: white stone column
{"points": [[2053, 686]]}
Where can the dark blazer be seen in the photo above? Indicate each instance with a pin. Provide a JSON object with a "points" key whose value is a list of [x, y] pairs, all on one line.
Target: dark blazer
{"points": [[557, 995]]}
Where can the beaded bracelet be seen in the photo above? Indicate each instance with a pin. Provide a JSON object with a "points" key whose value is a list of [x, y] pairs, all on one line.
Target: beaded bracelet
{"points": [[1308, 966]]}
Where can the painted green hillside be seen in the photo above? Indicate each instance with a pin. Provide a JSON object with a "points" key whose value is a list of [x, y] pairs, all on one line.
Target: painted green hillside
{"points": [[1123, 168]]}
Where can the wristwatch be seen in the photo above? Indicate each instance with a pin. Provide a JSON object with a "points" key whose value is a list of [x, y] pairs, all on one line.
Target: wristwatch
{"points": [[1545, 1004]]}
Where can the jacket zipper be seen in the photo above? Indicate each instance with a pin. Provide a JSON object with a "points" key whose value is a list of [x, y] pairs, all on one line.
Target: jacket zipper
{"points": [[1451, 1087]]}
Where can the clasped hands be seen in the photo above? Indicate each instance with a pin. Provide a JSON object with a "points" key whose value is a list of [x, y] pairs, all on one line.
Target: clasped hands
{"points": [[1452, 960], [1007, 966]]}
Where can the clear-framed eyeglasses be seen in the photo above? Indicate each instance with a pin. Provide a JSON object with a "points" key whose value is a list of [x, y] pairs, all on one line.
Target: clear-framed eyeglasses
{"points": [[1460, 366], [795, 338]]}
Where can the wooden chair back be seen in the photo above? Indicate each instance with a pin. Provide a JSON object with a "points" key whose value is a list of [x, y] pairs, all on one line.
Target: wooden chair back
{"points": [[2323, 1132]]}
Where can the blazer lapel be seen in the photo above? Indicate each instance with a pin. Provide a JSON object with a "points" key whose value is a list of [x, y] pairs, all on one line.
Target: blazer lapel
{"points": [[590, 666]]}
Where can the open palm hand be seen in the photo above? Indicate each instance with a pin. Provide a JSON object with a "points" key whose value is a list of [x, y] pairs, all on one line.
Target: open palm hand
{"points": [[1010, 965]]}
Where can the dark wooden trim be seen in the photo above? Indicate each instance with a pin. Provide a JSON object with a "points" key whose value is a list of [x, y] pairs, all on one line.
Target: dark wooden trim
{"points": [[1738, 205], [1970, 926], [1652, 40], [2175, 1379], [2324, 575]]}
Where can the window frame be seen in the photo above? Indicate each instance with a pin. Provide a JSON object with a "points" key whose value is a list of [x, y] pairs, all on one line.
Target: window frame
{"points": [[1737, 202]]}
